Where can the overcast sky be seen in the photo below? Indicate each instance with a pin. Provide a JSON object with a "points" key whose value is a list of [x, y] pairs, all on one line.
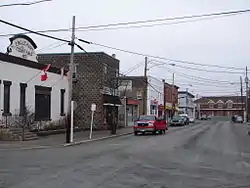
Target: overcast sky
{"points": [[222, 41]]}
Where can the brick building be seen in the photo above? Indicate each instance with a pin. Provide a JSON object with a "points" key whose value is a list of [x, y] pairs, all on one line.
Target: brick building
{"points": [[131, 87], [220, 106], [171, 98], [97, 76]]}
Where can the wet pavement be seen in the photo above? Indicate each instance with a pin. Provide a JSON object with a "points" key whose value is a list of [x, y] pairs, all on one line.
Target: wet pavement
{"points": [[207, 154]]}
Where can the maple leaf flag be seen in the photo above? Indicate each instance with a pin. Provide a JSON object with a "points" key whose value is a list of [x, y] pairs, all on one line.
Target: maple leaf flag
{"points": [[44, 75]]}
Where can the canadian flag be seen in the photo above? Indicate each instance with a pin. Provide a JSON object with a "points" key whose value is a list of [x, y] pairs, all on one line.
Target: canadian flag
{"points": [[44, 75]]}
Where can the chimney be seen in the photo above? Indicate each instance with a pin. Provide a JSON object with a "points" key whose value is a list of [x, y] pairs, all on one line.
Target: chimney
{"points": [[113, 55]]}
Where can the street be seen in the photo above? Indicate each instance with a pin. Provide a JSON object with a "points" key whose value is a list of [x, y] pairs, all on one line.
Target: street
{"points": [[206, 154]]}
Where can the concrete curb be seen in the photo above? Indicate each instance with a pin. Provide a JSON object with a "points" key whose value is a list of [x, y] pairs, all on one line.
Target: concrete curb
{"points": [[96, 139], [63, 145]]}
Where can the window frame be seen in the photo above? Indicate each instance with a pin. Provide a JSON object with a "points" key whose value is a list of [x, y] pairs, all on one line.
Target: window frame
{"points": [[62, 102], [6, 98], [22, 109]]}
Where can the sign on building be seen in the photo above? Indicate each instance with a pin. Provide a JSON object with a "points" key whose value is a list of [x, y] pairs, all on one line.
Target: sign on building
{"points": [[22, 46]]}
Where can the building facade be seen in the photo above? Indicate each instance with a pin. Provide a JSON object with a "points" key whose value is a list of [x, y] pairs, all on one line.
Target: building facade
{"points": [[96, 81], [220, 106], [131, 94], [186, 103], [133, 89], [171, 98], [155, 101], [22, 92]]}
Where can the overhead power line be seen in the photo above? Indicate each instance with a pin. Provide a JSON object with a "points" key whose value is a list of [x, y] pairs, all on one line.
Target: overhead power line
{"points": [[117, 49], [162, 58], [161, 63], [35, 32], [24, 4], [135, 23]]}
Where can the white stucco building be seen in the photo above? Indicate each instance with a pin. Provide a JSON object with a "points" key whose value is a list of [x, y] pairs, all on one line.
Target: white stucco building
{"points": [[21, 86], [155, 93]]}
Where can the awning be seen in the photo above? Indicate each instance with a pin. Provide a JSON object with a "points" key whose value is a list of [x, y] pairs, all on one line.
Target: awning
{"points": [[109, 100], [132, 102]]}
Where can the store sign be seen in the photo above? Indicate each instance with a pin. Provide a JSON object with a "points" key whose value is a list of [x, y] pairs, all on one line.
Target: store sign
{"points": [[22, 46]]}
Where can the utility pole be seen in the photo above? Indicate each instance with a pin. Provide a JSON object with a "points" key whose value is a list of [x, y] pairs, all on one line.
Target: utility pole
{"points": [[172, 96], [186, 100], [164, 100], [241, 98], [125, 111], [71, 69], [145, 94], [247, 94]]}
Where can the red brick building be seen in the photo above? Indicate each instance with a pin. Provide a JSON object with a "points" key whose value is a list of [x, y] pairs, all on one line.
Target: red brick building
{"points": [[97, 74], [171, 98], [220, 106]]}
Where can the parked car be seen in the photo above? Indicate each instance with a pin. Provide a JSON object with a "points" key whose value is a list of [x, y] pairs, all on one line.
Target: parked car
{"points": [[204, 117], [151, 124], [177, 120], [186, 118], [191, 120], [237, 119]]}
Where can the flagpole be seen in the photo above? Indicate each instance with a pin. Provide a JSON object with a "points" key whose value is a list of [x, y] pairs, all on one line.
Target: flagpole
{"points": [[71, 68]]}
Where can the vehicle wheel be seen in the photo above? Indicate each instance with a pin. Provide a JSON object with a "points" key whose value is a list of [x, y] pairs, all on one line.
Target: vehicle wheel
{"points": [[161, 131], [135, 133]]}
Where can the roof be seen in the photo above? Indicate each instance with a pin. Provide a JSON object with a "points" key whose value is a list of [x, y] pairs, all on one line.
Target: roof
{"points": [[27, 63], [170, 85], [79, 53], [186, 92], [216, 99]]}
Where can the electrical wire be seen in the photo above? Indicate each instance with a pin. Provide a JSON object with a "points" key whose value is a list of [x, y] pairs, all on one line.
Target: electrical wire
{"points": [[34, 32], [193, 68], [135, 53], [154, 24], [105, 26], [162, 58], [24, 4], [51, 46], [199, 78]]}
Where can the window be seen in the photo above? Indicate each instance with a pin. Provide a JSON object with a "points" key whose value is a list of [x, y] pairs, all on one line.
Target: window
{"points": [[105, 68], [42, 103], [211, 105], [139, 95], [229, 105], [220, 105], [62, 113], [6, 98], [22, 99], [117, 72]]}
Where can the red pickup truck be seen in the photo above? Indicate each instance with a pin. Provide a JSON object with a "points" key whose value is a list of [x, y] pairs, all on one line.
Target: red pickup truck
{"points": [[150, 123]]}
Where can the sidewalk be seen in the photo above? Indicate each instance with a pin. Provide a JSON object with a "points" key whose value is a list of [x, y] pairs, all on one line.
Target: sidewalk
{"points": [[59, 140]]}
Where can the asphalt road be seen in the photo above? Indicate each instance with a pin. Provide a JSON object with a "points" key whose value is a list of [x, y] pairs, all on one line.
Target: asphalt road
{"points": [[208, 154]]}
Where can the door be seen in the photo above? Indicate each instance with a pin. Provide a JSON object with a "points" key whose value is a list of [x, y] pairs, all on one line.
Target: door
{"points": [[160, 124]]}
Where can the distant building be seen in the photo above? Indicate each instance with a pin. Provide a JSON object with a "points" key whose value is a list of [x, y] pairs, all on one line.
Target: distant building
{"points": [[171, 98], [186, 103], [132, 87], [220, 106]]}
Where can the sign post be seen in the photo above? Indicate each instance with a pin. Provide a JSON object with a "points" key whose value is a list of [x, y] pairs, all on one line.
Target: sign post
{"points": [[93, 109], [71, 121]]}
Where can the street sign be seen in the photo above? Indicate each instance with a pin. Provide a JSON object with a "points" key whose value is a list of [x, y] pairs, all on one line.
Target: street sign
{"points": [[93, 107]]}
